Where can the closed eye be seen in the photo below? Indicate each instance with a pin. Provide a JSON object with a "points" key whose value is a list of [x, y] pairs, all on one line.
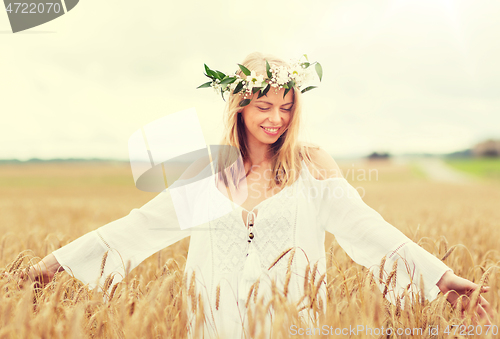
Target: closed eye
{"points": [[267, 109]]}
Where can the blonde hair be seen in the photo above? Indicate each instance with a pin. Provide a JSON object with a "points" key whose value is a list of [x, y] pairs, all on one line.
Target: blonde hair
{"points": [[286, 151]]}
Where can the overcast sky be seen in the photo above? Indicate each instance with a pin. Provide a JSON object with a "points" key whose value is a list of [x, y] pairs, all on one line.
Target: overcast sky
{"points": [[399, 76]]}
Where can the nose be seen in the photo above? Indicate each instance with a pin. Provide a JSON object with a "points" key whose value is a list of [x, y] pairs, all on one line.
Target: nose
{"points": [[275, 115]]}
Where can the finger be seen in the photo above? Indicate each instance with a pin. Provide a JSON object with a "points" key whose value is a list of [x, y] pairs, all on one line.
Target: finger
{"points": [[453, 297], [485, 305], [483, 315]]}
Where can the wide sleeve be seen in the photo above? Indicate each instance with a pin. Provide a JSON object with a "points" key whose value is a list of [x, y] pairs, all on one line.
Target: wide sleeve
{"points": [[366, 237], [133, 238]]}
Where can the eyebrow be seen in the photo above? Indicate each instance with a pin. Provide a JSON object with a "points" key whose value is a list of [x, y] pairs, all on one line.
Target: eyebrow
{"points": [[266, 102]]}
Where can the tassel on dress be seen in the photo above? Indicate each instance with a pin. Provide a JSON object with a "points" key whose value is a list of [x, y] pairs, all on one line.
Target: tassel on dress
{"points": [[251, 272], [252, 268]]}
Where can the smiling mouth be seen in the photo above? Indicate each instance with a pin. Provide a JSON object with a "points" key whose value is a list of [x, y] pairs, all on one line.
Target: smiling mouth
{"points": [[271, 130]]}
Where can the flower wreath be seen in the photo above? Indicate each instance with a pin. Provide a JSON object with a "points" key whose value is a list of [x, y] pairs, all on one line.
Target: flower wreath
{"points": [[277, 77]]}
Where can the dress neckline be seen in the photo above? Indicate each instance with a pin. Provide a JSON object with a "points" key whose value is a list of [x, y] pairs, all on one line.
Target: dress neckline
{"points": [[263, 201]]}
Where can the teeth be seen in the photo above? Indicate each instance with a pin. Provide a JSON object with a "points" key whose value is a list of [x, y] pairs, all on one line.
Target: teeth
{"points": [[271, 130]]}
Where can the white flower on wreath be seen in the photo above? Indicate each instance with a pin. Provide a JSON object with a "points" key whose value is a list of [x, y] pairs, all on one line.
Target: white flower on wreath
{"points": [[215, 86], [297, 73], [254, 80], [308, 74], [282, 76]]}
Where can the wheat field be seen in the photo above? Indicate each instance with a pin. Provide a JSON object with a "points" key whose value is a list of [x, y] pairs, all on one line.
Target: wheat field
{"points": [[47, 205]]}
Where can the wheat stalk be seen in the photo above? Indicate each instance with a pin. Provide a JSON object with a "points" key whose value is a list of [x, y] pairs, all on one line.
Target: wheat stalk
{"points": [[191, 292], [78, 294], [391, 276], [103, 262], [474, 300], [398, 307], [217, 297], [131, 306], [279, 257], [288, 273], [113, 290], [256, 291], [316, 289], [459, 306], [447, 254], [306, 279], [17, 262], [313, 273], [382, 265], [395, 270], [249, 295], [108, 282], [422, 290]]}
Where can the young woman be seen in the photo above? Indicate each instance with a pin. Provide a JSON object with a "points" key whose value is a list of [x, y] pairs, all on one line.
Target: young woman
{"points": [[289, 194]]}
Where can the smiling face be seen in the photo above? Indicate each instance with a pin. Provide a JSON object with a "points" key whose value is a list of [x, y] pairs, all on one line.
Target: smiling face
{"points": [[267, 118]]}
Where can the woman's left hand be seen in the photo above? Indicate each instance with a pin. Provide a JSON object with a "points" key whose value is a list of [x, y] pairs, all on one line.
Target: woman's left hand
{"points": [[451, 282]]}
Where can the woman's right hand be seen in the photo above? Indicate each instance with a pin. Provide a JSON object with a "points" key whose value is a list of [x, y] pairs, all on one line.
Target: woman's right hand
{"points": [[42, 272]]}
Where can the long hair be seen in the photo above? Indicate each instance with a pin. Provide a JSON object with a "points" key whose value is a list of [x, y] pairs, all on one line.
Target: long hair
{"points": [[286, 152]]}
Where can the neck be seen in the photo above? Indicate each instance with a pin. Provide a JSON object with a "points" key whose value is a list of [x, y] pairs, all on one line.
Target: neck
{"points": [[258, 154]]}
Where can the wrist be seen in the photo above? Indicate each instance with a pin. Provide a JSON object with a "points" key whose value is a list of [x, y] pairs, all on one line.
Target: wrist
{"points": [[52, 264], [444, 282], [48, 266]]}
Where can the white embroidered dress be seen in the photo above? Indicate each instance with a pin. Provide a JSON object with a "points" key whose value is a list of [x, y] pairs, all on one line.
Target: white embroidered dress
{"points": [[296, 217]]}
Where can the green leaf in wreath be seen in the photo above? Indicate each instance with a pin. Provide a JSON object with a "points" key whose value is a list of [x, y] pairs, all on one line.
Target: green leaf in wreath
{"points": [[308, 89], [206, 84], [286, 92], [245, 70], [319, 70], [244, 102], [211, 74], [264, 92], [238, 88], [255, 89], [228, 80], [268, 70], [220, 75]]}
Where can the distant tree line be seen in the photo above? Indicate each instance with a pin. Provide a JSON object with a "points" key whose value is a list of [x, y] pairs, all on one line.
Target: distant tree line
{"points": [[376, 155], [488, 148]]}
